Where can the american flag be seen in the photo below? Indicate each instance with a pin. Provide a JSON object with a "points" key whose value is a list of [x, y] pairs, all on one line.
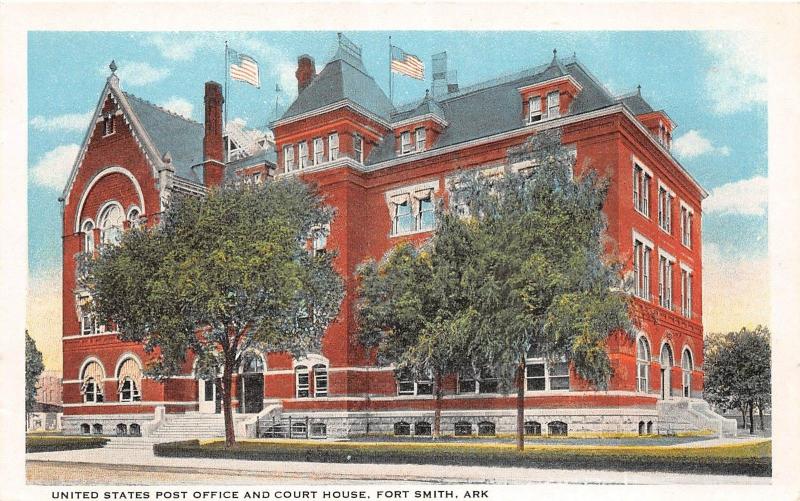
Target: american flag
{"points": [[244, 68], [407, 64]]}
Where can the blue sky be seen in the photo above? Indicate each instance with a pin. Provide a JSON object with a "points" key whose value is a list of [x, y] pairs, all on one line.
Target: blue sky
{"points": [[710, 83]]}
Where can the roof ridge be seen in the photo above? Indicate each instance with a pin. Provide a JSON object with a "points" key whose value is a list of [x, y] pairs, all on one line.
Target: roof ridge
{"points": [[161, 108]]}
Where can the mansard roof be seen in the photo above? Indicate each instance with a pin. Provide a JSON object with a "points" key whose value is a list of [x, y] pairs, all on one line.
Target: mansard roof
{"points": [[428, 106], [635, 102], [343, 78], [181, 137]]}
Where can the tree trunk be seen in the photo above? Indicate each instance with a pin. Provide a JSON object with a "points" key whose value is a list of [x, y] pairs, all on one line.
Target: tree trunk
{"points": [[230, 437], [750, 408], [437, 413], [744, 416], [761, 415], [520, 380]]}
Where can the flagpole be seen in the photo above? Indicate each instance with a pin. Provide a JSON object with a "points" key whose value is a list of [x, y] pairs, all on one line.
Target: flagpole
{"points": [[391, 94], [225, 103]]}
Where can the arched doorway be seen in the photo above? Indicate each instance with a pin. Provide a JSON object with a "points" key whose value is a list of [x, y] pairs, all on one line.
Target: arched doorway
{"points": [[667, 361], [687, 365], [251, 383]]}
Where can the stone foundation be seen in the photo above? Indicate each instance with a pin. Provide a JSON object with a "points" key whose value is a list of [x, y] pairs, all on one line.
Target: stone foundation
{"points": [[72, 423]]}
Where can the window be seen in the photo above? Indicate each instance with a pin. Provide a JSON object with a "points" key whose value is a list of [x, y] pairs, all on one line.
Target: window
{"points": [[319, 241], [88, 236], [88, 324], [257, 178], [92, 391], [288, 158], [319, 151], [426, 217], [641, 190], [642, 364], [319, 429], [463, 429], [134, 217], [122, 429], [135, 430], [358, 148], [110, 222], [129, 376], [544, 375], [320, 380], [686, 226], [557, 428], [85, 428], [422, 428], [92, 387], [97, 429], [333, 146], [302, 381], [641, 269], [534, 109], [299, 430], [302, 153], [686, 293], [553, 105], [485, 382], [407, 385], [108, 124], [687, 366], [486, 429], [665, 209], [420, 139], [665, 281], [405, 143], [533, 428], [402, 428], [128, 391], [403, 221]]}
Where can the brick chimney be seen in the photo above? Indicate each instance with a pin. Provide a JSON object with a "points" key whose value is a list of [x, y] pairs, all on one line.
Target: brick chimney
{"points": [[213, 155], [306, 71]]}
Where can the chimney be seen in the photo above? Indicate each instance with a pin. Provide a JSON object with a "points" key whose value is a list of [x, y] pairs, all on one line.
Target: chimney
{"points": [[306, 71], [213, 159]]}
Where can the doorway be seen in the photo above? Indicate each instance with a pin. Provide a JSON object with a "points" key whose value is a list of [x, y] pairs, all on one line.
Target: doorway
{"points": [[251, 387], [208, 396]]}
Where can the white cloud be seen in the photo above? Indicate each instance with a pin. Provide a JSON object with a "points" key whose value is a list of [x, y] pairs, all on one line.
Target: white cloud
{"points": [[138, 73], [69, 122], [747, 197], [183, 47], [180, 106], [52, 170], [738, 78], [736, 290], [693, 144]]}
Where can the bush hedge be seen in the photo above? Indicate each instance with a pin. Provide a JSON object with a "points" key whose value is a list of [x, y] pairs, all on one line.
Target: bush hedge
{"points": [[749, 459], [50, 443]]}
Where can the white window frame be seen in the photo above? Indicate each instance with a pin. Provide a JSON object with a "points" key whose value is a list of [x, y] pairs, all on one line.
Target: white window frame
{"points": [[687, 216], [358, 148], [416, 385], [553, 105], [419, 139], [333, 146], [103, 215], [686, 290], [420, 215], [405, 143], [302, 155], [665, 198], [686, 372], [302, 370], [548, 375], [643, 365], [666, 262], [642, 179], [319, 239], [478, 381], [642, 266], [88, 236], [134, 392], [319, 150], [288, 158], [534, 109], [320, 372]]}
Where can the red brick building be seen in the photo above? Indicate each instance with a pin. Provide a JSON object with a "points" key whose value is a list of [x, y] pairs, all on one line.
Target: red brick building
{"points": [[383, 167]]}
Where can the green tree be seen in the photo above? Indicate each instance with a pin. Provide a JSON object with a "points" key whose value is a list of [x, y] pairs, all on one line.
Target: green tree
{"points": [[541, 278], [219, 275], [412, 308], [737, 369], [33, 368]]}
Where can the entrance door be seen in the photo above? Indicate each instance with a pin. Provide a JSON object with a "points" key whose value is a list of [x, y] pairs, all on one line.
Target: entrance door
{"points": [[666, 385], [253, 389], [210, 400]]}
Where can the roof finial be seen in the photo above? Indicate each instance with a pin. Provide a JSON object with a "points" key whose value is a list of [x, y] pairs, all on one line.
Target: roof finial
{"points": [[639, 90], [574, 55], [112, 67], [427, 93]]}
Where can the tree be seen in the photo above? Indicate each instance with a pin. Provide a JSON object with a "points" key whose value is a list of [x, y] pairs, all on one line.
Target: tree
{"points": [[219, 275], [541, 279], [33, 369], [737, 371], [412, 308]]}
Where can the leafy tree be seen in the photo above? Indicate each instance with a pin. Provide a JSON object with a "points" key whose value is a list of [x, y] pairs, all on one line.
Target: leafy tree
{"points": [[413, 309], [737, 371], [219, 275], [33, 368]]}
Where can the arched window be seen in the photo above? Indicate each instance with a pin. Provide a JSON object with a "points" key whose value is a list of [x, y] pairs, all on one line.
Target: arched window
{"points": [[667, 361], [422, 428], [402, 428], [135, 430], [135, 217], [301, 381], [642, 364], [88, 236], [85, 428], [320, 380], [649, 427], [533, 428], [641, 428], [92, 382], [122, 429], [557, 428], [687, 364], [252, 363], [486, 428], [110, 224], [463, 429], [129, 377], [97, 429]]}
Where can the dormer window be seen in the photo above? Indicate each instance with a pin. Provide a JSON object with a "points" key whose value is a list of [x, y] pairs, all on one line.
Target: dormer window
{"points": [[288, 158], [420, 139], [553, 105], [108, 124], [358, 148], [319, 151], [302, 149], [534, 109], [405, 143], [333, 146]]}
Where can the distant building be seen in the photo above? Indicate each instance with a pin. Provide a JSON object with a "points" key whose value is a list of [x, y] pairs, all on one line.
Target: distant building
{"points": [[384, 167], [47, 409]]}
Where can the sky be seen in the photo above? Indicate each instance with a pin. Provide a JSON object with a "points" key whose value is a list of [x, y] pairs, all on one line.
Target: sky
{"points": [[709, 83]]}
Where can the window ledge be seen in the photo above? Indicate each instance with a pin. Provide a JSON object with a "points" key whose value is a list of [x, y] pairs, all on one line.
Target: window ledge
{"points": [[646, 216], [408, 233]]}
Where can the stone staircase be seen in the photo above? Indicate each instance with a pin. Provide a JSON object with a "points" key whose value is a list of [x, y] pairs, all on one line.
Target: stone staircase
{"points": [[192, 425], [692, 414]]}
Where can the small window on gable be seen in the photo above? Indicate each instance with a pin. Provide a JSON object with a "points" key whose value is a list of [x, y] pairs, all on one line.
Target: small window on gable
{"points": [[302, 149], [420, 139], [319, 151], [553, 105], [333, 146], [534, 109], [108, 124], [405, 143], [358, 148]]}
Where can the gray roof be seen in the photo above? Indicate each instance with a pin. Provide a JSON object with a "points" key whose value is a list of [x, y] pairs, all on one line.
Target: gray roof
{"points": [[181, 137], [495, 106], [344, 77], [268, 156], [636, 103], [428, 106]]}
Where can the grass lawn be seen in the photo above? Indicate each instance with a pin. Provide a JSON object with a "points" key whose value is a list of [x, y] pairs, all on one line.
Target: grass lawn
{"points": [[39, 442], [737, 459]]}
